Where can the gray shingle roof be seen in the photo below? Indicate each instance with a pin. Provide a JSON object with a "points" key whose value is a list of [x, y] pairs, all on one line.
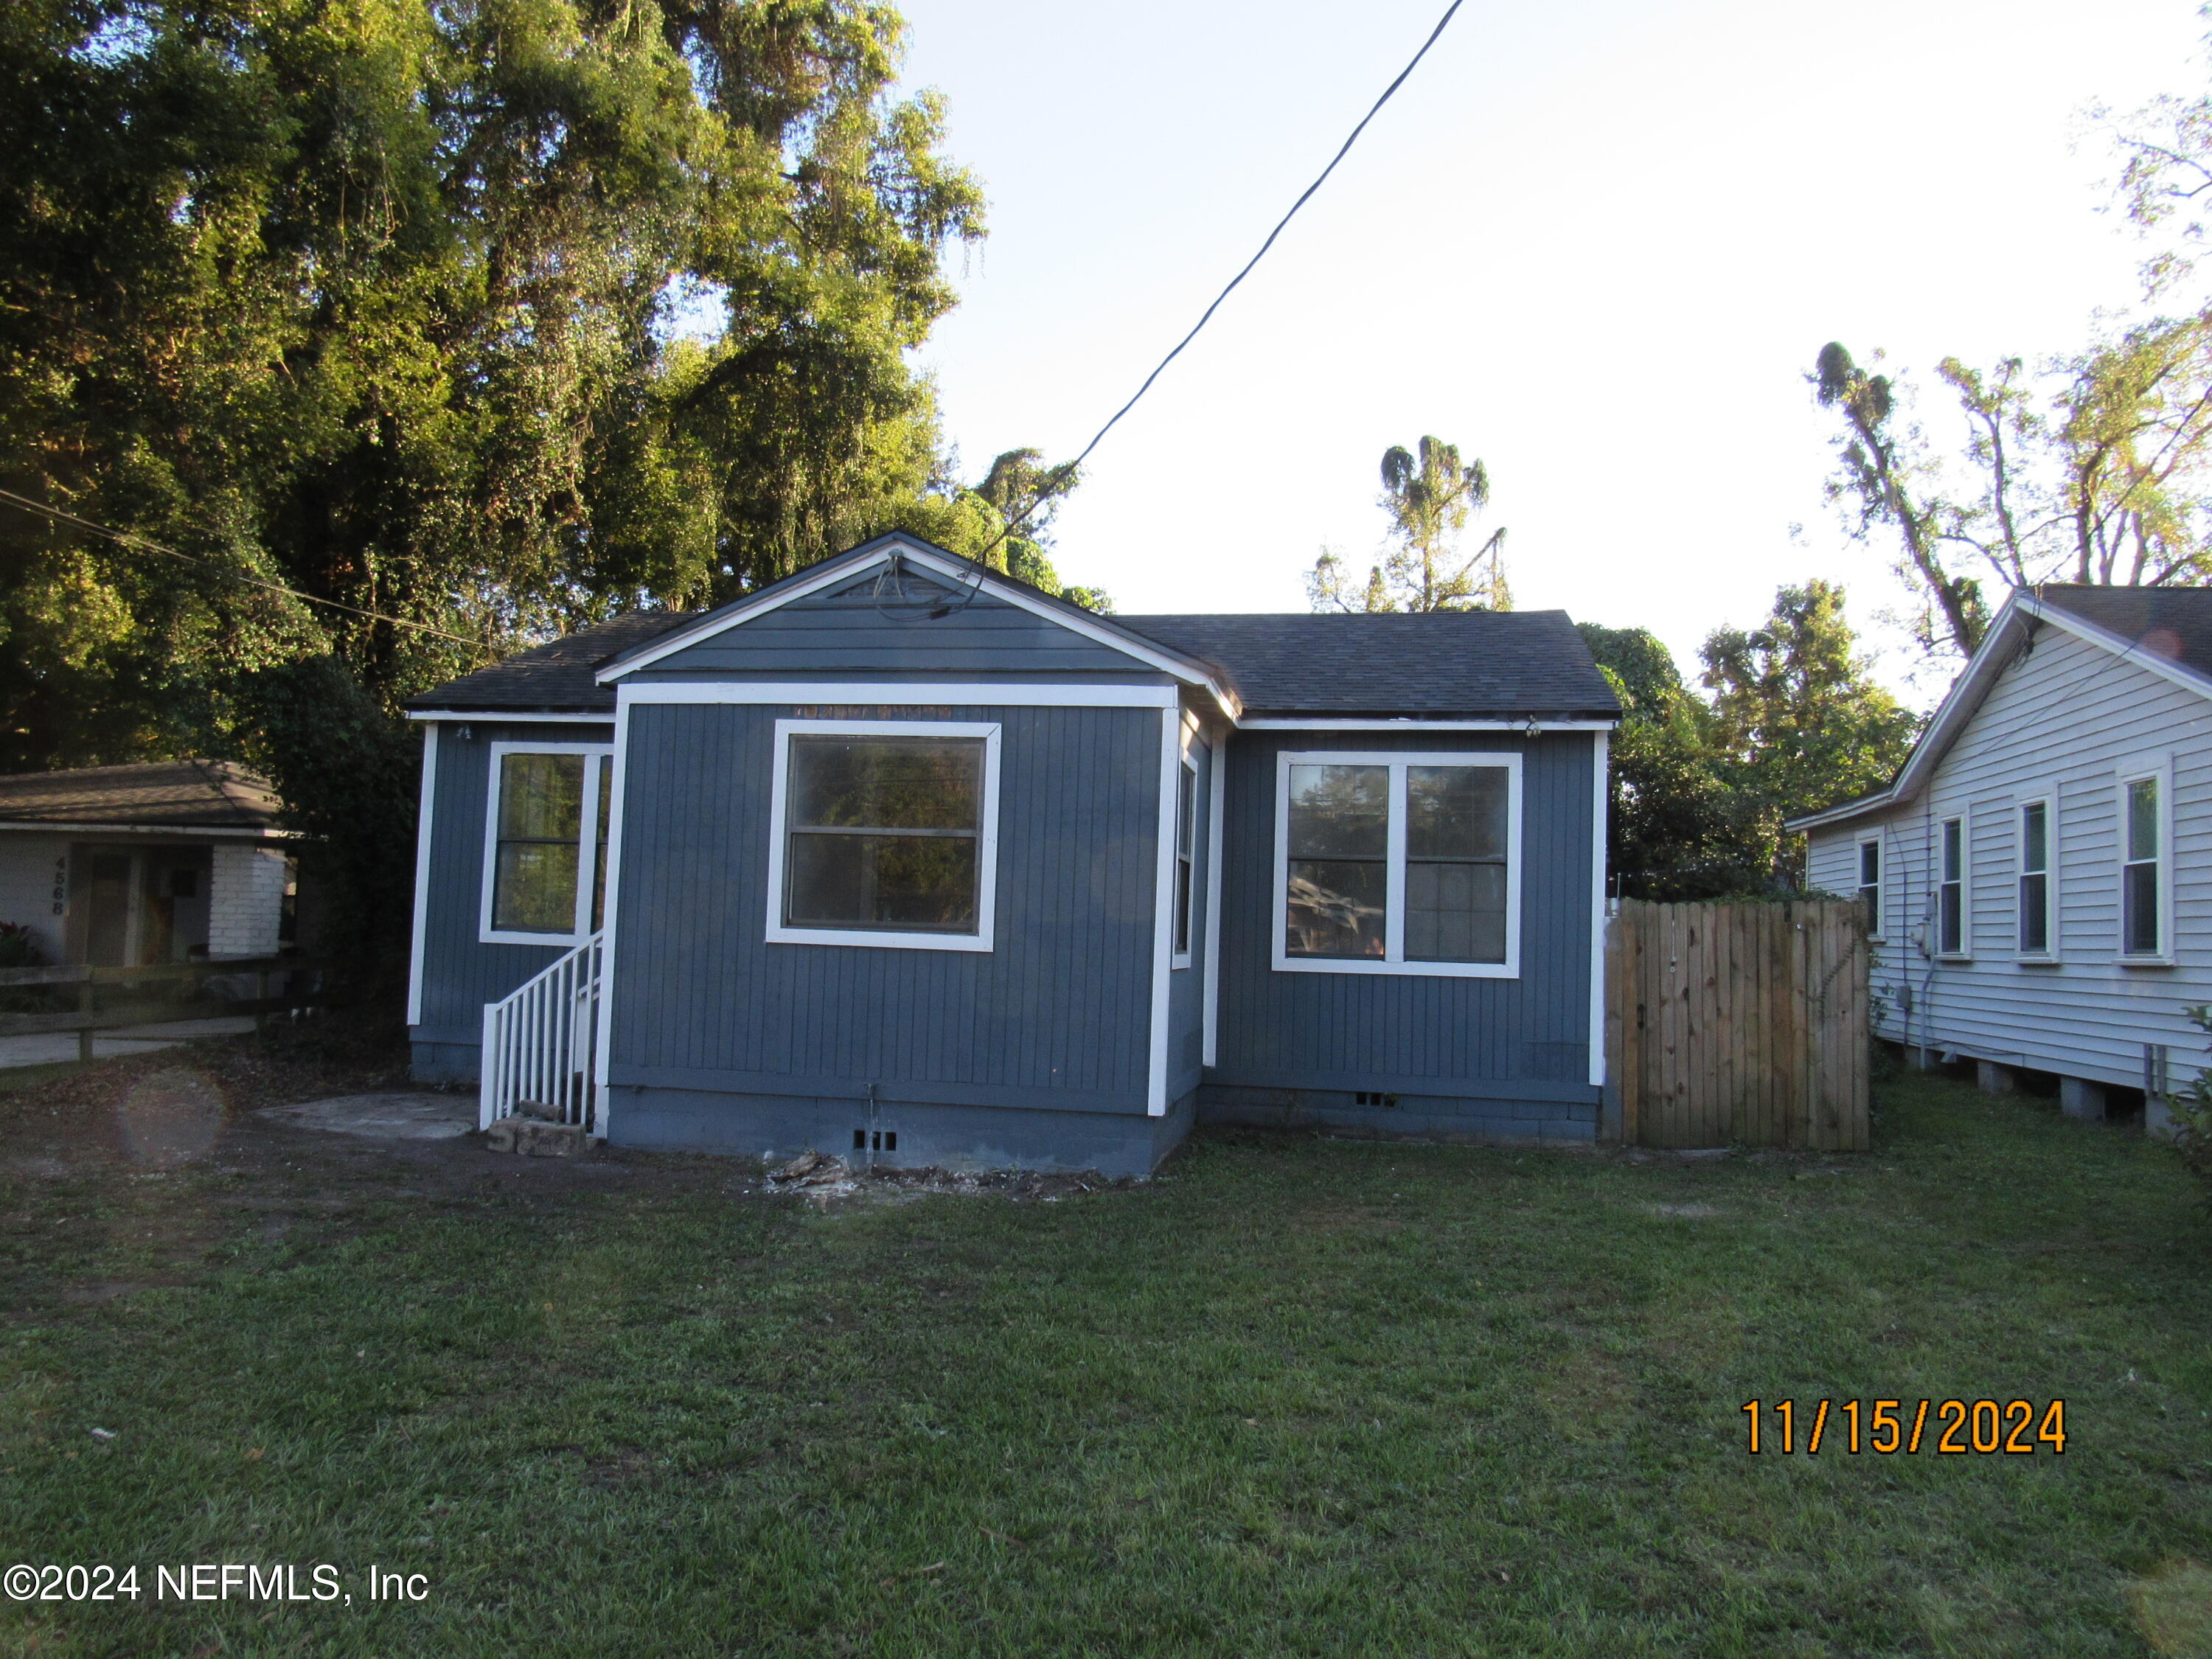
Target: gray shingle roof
{"points": [[1477, 663], [557, 677], [1460, 662], [184, 794], [2172, 622]]}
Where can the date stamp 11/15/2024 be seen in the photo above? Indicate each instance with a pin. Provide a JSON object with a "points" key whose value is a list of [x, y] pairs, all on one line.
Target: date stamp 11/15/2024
{"points": [[2016, 1428]]}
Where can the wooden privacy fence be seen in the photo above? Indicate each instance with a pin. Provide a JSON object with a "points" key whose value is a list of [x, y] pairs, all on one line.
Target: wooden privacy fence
{"points": [[1739, 1024], [170, 991]]}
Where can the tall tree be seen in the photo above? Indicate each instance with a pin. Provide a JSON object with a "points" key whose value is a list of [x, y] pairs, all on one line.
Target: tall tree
{"points": [[374, 302], [1429, 495], [1798, 722]]}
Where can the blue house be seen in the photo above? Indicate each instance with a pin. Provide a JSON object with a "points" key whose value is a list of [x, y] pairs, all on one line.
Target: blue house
{"points": [[901, 857]]}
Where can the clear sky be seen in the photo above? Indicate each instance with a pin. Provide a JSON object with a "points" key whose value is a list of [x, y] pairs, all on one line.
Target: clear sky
{"points": [[1596, 242]]}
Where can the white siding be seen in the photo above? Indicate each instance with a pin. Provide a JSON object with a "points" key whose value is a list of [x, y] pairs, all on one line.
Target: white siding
{"points": [[2067, 717], [33, 867]]}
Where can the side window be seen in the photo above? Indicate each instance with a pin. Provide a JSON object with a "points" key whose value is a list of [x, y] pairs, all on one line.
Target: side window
{"points": [[2036, 929], [2143, 919], [545, 833], [1186, 844], [1870, 885], [1951, 890]]}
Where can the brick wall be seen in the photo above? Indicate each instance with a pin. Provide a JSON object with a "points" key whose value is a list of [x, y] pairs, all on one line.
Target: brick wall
{"points": [[246, 900]]}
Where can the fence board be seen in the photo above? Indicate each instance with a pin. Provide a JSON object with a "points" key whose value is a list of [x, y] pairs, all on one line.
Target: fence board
{"points": [[1738, 1023]]}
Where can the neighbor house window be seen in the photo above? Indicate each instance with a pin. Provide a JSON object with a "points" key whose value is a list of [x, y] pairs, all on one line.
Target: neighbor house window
{"points": [[1186, 842], [2142, 897], [884, 834], [1398, 864], [2036, 929], [1870, 885], [544, 853], [1951, 890]]}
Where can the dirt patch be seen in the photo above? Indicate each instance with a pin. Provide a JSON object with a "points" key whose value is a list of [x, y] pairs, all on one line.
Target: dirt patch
{"points": [[823, 1179]]}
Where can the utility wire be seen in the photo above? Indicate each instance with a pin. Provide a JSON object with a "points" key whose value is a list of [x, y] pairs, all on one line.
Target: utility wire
{"points": [[130, 540], [1064, 475]]}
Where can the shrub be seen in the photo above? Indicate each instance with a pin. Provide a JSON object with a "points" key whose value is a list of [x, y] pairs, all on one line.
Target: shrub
{"points": [[19, 946], [2190, 1106]]}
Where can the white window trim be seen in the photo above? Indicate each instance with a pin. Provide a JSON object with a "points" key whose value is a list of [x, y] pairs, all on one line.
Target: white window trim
{"points": [[2053, 943], [2160, 769], [1394, 932], [1965, 952], [987, 851], [1217, 774], [597, 757], [1877, 928], [1183, 957]]}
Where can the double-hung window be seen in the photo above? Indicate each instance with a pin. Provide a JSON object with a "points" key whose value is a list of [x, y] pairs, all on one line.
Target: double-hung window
{"points": [[1185, 853], [1399, 864], [2039, 932], [1870, 885], [545, 858], [1952, 889], [2144, 924], [884, 833]]}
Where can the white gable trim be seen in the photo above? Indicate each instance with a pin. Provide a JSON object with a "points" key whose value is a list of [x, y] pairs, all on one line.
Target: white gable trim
{"points": [[960, 574], [1972, 685]]}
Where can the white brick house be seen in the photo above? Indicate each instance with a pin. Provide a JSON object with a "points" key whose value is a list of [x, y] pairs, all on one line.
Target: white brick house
{"points": [[168, 861]]}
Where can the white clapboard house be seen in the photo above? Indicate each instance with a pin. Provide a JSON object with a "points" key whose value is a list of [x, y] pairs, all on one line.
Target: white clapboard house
{"points": [[2039, 878]]}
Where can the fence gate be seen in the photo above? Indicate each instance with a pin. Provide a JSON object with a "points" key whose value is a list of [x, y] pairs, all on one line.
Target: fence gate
{"points": [[1738, 1023]]}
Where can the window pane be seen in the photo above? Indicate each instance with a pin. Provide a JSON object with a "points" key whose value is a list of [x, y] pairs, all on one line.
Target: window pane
{"points": [[2035, 914], [927, 883], [599, 872], [1456, 811], [1952, 850], [541, 797], [1869, 864], [1456, 912], [1186, 807], [2143, 818], [535, 887], [2139, 894], [887, 783], [1182, 908], [1335, 907], [1951, 932], [2034, 839], [1341, 812]]}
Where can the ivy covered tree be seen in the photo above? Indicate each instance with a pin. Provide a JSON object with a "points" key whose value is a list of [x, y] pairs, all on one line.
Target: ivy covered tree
{"points": [[1429, 495]]}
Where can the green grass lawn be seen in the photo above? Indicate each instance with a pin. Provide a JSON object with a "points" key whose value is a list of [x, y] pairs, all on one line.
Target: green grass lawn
{"points": [[1297, 1396]]}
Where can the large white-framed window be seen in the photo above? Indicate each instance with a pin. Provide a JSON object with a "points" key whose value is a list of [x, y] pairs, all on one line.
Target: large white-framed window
{"points": [[2146, 835], [1954, 887], [1186, 833], [2036, 837], [1869, 887], [1398, 864], [545, 843], [884, 833]]}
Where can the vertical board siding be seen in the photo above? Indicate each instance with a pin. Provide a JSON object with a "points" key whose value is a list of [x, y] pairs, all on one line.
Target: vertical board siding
{"points": [[459, 974], [2064, 716], [1060, 1006], [848, 635], [1474, 1036]]}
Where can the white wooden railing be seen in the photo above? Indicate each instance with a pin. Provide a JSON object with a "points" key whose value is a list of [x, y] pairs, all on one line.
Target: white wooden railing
{"points": [[541, 1043]]}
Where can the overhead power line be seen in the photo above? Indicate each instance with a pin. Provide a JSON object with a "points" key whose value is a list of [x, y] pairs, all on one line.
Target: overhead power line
{"points": [[129, 540], [1066, 471]]}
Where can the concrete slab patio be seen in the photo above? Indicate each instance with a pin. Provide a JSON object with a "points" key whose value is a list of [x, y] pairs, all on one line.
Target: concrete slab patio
{"points": [[384, 1116]]}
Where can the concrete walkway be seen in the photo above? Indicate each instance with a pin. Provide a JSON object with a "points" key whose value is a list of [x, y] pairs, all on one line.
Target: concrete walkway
{"points": [[50, 1047]]}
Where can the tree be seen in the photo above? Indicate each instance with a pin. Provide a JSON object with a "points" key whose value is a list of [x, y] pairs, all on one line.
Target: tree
{"points": [[1675, 830], [1429, 497], [374, 303], [1798, 723], [1005, 523]]}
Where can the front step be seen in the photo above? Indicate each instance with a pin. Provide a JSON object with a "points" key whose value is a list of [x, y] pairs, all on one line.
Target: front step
{"points": [[534, 1138]]}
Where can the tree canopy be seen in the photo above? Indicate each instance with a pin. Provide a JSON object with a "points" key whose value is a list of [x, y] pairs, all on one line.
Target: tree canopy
{"points": [[383, 303], [1428, 495]]}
